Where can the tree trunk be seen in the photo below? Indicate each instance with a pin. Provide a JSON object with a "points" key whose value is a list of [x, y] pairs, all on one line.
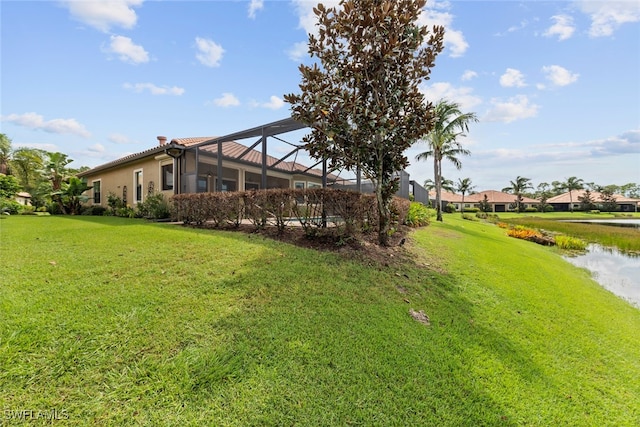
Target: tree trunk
{"points": [[438, 181], [384, 213]]}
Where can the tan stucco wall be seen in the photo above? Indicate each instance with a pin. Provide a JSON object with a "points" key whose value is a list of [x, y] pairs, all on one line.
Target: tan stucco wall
{"points": [[114, 180]]}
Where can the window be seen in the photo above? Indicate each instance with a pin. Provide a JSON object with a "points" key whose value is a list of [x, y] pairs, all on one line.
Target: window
{"points": [[167, 177], [202, 185], [314, 185], [96, 192], [227, 185], [299, 185], [137, 184], [251, 186]]}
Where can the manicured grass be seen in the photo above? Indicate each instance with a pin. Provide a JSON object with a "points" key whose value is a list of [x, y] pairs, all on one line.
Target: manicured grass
{"points": [[120, 322]]}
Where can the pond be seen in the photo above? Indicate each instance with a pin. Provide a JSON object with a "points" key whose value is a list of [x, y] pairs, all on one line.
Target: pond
{"points": [[634, 223], [614, 270]]}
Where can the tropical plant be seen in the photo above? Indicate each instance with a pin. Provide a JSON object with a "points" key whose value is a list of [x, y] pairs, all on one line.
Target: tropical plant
{"points": [[543, 193], [362, 98], [450, 124], [9, 186], [27, 164], [72, 195], [572, 184], [517, 187], [463, 187]]}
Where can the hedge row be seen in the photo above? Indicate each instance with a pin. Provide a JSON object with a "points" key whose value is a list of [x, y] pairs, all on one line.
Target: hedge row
{"points": [[310, 208]]}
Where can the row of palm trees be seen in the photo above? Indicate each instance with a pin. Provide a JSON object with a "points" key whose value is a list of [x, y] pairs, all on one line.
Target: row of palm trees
{"points": [[450, 125]]}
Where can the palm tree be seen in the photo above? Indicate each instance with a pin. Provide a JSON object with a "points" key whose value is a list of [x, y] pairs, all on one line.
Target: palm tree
{"points": [[572, 183], [450, 123], [464, 186], [445, 184], [518, 187]]}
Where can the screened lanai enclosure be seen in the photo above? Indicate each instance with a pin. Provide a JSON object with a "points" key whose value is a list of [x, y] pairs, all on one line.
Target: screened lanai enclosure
{"points": [[240, 161]]}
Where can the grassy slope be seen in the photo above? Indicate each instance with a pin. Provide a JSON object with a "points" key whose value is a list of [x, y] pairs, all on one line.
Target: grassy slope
{"points": [[120, 322]]}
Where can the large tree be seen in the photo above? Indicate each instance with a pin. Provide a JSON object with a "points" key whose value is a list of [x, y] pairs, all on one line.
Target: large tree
{"points": [[449, 125], [361, 97], [517, 188], [27, 164]]}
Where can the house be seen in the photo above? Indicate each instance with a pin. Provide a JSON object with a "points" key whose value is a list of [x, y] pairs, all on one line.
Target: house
{"points": [[23, 198], [499, 201], [203, 164], [563, 202]]}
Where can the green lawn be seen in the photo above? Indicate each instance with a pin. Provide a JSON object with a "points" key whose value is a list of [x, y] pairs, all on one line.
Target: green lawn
{"points": [[119, 322]]}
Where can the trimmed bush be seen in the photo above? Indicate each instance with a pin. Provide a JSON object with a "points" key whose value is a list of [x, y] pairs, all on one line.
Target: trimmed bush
{"points": [[349, 211], [570, 243]]}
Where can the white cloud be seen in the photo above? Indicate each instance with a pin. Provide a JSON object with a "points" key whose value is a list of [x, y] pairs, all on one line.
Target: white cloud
{"points": [[254, 6], [563, 27], [210, 53], [298, 51], [153, 89], [227, 100], [512, 78], [468, 75], [559, 76], [608, 16], [127, 51], [37, 122], [104, 14], [306, 18], [513, 109], [463, 96], [275, 103], [436, 14]]}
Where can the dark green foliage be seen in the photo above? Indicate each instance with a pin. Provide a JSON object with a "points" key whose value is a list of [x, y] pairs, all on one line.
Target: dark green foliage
{"points": [[155, 206], [418, 216]]}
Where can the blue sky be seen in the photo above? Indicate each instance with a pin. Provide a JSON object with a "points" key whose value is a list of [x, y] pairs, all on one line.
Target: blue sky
{"points": [[555, 84]]}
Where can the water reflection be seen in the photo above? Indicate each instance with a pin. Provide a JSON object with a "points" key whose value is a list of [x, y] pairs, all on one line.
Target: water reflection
{"points": [[616, 271]]}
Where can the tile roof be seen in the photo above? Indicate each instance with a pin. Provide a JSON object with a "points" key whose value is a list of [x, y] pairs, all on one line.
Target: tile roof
{"points": [[595, 195], [231, 150], [494, 196]]}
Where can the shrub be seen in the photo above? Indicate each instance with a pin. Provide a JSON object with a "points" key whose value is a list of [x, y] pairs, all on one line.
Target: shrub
{"points": [[418, 215], [548, 208], [571, 243], [95, 210], [472, 210], [531, 209], [469, 217], [594, 211], [10, 206], [450, 208], [155, 206]]}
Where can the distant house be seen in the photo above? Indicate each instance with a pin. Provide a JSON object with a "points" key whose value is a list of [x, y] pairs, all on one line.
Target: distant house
{"points": [[23, 198], [562, 202], [499, 201]]}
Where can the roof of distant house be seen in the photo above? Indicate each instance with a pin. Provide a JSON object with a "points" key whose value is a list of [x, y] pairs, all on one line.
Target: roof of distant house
{"points": [[596, 196]]}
